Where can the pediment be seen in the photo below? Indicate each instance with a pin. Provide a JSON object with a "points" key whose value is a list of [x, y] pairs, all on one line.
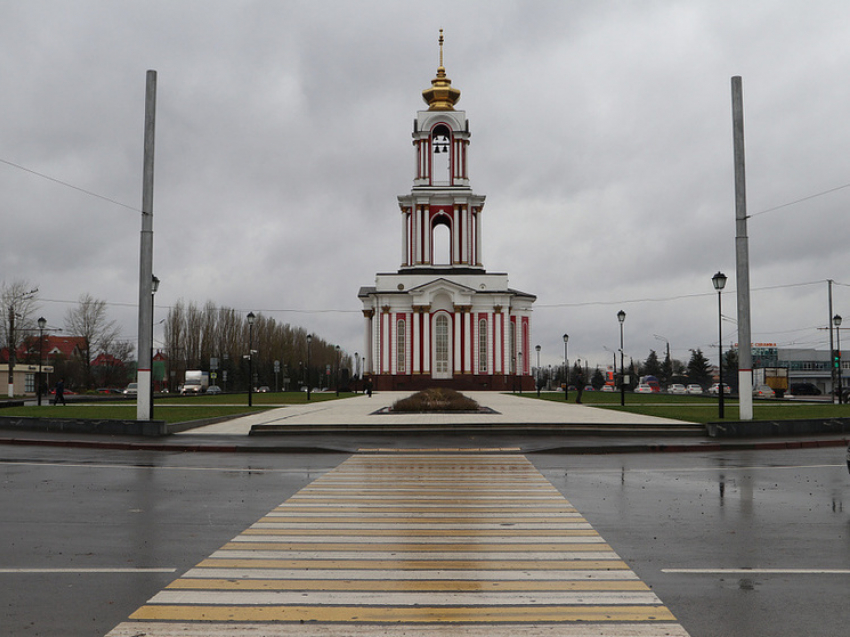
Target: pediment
{"points": [[425, 293]]}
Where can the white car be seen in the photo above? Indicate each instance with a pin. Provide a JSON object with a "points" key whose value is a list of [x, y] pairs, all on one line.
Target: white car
{"points": [[643, 388], [715, 389], [764, 391], [694, 389], [677, 388]]}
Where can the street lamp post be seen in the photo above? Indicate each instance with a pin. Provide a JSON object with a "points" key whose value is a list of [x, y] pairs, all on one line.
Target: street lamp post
{"points": [[250, 318], [154, 288], [621, 316], [537, 347], [356, 370], [719, 281], [42, 322], [338, 365], [309, 340], [836, 321], [566, 369]]}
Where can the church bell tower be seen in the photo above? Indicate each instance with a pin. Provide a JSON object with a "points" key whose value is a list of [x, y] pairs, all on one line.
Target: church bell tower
{"points": [[441, 319], [441, 196]]}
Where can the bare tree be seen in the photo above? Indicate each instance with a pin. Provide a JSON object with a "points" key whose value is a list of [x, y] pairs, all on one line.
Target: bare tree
{"points": [[89, 321], [18, 301]]}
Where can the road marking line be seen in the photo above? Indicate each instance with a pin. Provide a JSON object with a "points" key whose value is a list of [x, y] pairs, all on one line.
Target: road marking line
{"points": [[472, 575], [87, 570], [584, 553], [241, 629], [400, 599], [406, 585], [391, 614], [746, 571]]}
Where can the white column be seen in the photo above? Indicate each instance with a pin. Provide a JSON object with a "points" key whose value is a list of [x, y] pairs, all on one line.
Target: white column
{"points": [[426, 341], [497, 343], [426, 233], [385, 340], [478, 259], [468, 322], [457, 325], [456, 238], [416, 363]]}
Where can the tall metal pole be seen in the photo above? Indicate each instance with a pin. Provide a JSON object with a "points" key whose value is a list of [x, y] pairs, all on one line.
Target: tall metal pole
{"points": [[42, 322], [836, 398], [566, 369], [836, 320], [742, 258], [145, 344], [621, 316]]}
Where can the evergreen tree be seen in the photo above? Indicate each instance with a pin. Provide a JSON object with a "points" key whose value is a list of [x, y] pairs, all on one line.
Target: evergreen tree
{"points": [[652, 366], [667, 368], [699, 369], [597, 380], [730, 369]]}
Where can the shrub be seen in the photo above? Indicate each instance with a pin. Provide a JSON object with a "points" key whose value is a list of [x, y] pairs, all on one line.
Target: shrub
{"points": [[436, 399]]}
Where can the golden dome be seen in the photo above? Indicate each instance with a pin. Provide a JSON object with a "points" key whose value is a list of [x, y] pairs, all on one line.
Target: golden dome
{"points": [[441, 96]]}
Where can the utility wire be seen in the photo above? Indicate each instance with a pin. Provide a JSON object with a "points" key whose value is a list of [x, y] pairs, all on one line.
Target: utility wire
{"points": [[792, 203], [67, 185]]}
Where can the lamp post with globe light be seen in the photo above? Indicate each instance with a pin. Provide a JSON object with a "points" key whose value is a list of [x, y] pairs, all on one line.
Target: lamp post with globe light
{"points": [[250, 318], [566, 369], [719, 281], [836, 321], [621, 316]]}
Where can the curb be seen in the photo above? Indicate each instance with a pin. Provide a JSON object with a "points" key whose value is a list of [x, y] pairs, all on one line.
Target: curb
{"points": [[561, 449]]}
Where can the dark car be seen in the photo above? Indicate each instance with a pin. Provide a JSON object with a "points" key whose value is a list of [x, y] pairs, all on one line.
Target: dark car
{"points": [[804, 389]]}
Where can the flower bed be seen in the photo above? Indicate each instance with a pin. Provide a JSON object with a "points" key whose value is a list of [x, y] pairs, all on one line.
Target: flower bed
{"points": [[435, 400]]}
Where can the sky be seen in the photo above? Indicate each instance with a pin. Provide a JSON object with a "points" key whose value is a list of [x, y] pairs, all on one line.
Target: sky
{"points": [[601, 137]]}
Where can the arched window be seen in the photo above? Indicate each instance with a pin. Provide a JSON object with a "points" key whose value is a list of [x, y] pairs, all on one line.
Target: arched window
{"points": [[441, 347], [401, 350], [482, 346], [441, 241], [441, 146]]}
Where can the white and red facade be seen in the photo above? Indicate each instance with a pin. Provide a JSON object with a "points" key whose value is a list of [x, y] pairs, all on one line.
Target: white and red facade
{"points": [[441, 319]]}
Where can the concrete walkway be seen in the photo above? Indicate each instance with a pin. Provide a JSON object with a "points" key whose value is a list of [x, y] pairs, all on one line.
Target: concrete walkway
{"points": [[509, 409]]}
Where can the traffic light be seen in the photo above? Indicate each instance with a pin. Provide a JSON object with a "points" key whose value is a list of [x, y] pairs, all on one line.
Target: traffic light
{"points": [[836, 359]]}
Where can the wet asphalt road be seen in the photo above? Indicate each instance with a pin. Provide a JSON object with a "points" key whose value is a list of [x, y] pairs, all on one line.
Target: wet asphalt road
{"points": [[75, 509]]}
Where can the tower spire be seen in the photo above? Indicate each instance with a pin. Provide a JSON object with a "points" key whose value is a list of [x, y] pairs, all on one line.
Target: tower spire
{"points": [[441, 96]]}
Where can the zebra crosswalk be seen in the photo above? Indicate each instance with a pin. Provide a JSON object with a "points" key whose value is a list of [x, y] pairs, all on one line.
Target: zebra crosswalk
{"points": [[413, 544]]}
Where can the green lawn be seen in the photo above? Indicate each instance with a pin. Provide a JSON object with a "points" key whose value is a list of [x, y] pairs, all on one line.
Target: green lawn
{"points": [[173, 408], [702, 409]]}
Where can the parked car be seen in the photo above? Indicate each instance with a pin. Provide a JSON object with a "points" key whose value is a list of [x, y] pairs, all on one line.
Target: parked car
{"points": [[694, 389], [644, 388], [588, 388], [213, 389], [764, 391], [804, 389], [263, 390], [715, 389], [608, 388], [132, 389], [677, 388]]}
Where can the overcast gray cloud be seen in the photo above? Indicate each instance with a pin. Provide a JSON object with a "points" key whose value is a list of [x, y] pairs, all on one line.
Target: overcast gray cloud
{"points": [[601, 138]]}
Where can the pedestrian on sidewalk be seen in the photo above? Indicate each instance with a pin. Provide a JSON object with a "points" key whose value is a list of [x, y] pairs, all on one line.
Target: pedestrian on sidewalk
{"points": [[369, 386], [60, 392], [579, 378]]}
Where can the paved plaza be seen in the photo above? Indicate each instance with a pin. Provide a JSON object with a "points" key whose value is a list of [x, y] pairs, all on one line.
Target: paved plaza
{"points": [[363, 411]]}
